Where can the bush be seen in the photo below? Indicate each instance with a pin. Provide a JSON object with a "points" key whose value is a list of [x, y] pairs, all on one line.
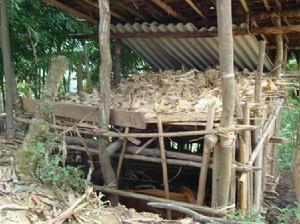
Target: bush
{"points": [[49, 170]]}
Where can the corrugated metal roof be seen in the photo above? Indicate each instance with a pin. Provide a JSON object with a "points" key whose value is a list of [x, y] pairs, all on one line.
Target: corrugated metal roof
{"points": [[199, 53]]}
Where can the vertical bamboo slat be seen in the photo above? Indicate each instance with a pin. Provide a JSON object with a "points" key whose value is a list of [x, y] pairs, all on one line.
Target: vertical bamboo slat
{"points": [[121, 157], [164, 163], [205, 160]]}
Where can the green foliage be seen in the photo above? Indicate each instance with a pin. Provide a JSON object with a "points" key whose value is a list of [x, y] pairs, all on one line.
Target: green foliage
{"points": [[50, 171], [288, 215], [292, 64], [253, 216], [289, 121]]}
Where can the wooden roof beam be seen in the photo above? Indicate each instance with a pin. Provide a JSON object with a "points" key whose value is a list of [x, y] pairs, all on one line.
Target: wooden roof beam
{"points": [[129, 9], [266, 4], [196, 8], [198, 34], [168, 9], [245, 5], [74, 12], [95, 5]]}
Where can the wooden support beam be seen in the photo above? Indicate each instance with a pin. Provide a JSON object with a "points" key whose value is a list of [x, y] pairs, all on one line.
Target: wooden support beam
{"points": [[96, 6], [168, 9], [198, 34], [74, 12], [279, 50], [196, 8]]}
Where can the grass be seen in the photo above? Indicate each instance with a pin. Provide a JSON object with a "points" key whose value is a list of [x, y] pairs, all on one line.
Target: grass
{"points": [[289, 120]]}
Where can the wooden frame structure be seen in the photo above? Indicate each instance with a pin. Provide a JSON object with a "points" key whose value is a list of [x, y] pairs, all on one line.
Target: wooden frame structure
{"points": [[251, 180]]}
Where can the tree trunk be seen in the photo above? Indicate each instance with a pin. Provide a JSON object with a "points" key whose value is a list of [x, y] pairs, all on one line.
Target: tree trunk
{"points": [[39, 126], [224, 159], [87, 69], [79, 77], [10, 84], [108, 173], [279, 50], [117, 63], [297, 153]]}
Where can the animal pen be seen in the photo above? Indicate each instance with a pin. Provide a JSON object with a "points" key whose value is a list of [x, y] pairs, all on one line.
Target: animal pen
{"points": [[165, 129]]}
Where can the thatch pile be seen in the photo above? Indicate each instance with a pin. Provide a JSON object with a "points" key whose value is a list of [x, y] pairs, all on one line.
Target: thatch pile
{"points": [[170, 92]]}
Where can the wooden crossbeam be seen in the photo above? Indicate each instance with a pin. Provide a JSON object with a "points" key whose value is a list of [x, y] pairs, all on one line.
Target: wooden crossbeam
{"points": [[198, 34], [196, 8], [74, 12], [164, 6], [95, 5]]}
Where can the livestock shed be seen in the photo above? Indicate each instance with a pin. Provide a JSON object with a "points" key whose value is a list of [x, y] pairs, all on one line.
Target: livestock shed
{"points": [[167, 134]]}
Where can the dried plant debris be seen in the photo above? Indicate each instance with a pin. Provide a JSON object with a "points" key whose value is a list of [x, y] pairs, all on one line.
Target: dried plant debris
{"points": [[170, 92], [31, 202]]}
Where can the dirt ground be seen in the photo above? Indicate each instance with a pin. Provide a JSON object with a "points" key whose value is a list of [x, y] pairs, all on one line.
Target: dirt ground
{"points": [[281, 208]]}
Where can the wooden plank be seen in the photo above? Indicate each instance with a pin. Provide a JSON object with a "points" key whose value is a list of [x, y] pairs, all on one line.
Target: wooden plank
{"points": [[77, 112], [128, 119]]}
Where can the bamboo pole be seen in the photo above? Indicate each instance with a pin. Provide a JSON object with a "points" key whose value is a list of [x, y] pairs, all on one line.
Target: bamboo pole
{"points": [[258, 132], [122, 154], [223, 172], [163, 163], [218, 131], [201, 209], [205, 158]]}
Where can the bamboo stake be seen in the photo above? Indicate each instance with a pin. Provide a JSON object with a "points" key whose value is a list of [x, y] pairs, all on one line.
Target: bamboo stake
{"points": [[205, 158], [163, 162], [122, 154], [243, 182]]}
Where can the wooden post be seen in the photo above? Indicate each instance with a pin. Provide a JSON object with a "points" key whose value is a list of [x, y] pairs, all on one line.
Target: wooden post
{"points": [[117, 63], [8, 71], [297, 154], [258, 132], [205, 158], [108, 173], [163, 163], [223, 172], [279, 50]]}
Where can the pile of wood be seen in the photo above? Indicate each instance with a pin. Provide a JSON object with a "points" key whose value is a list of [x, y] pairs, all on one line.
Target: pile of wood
{"points": [[170, 92]]}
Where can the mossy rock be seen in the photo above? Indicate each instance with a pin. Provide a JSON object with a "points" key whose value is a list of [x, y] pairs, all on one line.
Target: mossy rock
{"points": [[38, 129]]}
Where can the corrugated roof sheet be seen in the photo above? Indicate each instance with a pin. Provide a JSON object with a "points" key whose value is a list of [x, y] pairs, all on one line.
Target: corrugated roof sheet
{"points": [[199, 53]]}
